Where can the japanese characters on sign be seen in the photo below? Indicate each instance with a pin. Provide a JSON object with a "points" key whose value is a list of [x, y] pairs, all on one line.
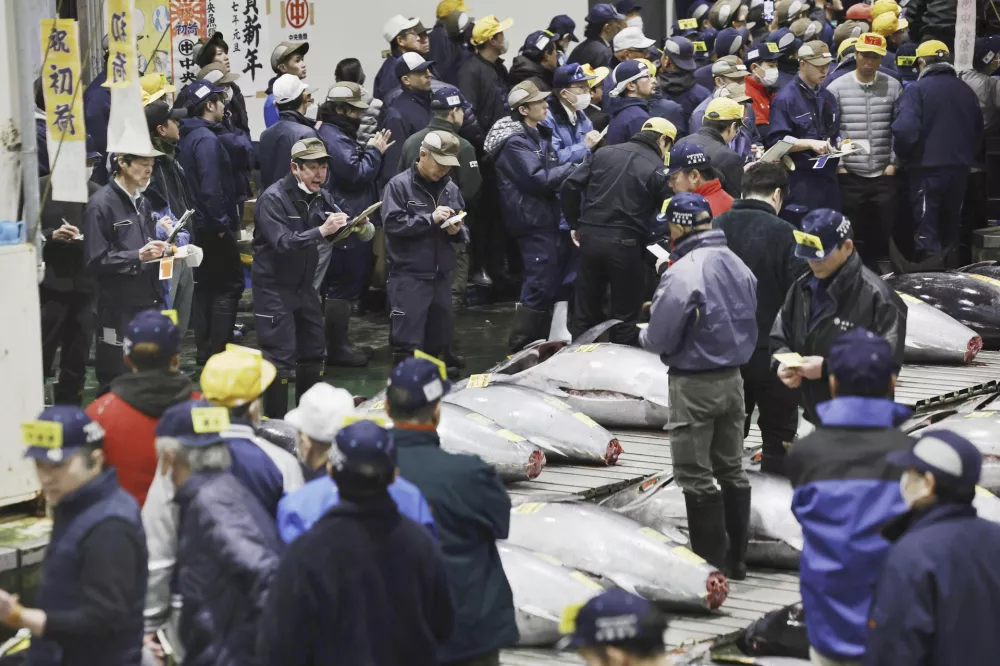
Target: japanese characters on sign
{"points": [[251, 38], [965, 34], [188, 23], [121, 43], [61, 80]]}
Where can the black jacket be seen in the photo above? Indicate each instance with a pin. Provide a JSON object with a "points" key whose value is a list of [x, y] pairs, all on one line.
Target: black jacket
{"points": [[854, 296], [472, 510], [114, 230], [168, 187], [415, 245], [764, 242], [64, 260], [485, 86], [210, 175], [724, 159], [364, 585], [619, 192], [524, 69], [594, 52]]}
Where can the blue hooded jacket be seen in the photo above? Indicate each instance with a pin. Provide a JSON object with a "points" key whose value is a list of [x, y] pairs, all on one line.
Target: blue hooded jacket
{"points": [[704, 314], [299, 511], [210, 177], [627, 118], [844, 492], [275, 146]]}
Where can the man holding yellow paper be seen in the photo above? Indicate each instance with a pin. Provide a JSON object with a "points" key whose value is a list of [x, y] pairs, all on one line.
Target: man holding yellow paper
{"points": [[837, 295]]}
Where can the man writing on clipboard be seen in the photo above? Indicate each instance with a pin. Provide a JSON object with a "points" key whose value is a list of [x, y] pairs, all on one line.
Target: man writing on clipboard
{"points": [[293, 217]]}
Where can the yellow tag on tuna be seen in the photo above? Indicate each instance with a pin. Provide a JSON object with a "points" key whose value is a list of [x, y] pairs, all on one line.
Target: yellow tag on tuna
{"points": [[479, 381], [906, 298], [556, 402], [653, 534], [480, 419], [43, 434], [586, 580], [984, 414], [987, 280], [586, 420], [510, 435], [529, 507], [584, 349], [209, 419], [687, 555]]}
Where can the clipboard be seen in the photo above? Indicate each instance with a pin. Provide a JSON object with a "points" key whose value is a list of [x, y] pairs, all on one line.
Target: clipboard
{"points": [[352, 225], [778, 150], [181, 223]]}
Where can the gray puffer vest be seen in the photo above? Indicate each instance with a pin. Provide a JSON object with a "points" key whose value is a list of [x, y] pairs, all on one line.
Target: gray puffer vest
{"points": [[866, 112]]}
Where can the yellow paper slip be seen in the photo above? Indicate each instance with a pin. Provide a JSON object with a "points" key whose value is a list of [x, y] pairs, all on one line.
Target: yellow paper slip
{"points": [[790, 359]]}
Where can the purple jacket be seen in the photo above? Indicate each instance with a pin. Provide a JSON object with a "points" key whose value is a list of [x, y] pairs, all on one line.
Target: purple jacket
{"points": [[704, 314]]}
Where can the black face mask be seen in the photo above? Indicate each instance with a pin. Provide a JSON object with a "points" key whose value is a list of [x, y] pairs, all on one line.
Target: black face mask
{"points": [[346, 123]]}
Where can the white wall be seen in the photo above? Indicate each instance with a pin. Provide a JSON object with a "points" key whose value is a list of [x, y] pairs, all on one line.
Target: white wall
{"points": [[353, 28]]}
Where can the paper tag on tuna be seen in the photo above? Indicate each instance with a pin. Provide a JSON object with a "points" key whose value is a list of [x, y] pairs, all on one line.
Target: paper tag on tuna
{"points": [[529, 507], [653, 534], [510, 435], [548, 558], [583, 418], [583, 349], [906, 298], [556, 402], [687, 555], [376, 406], [982, 492], [984, 414], [480, 419], [479, 381], [987, 280], [586, 580]]}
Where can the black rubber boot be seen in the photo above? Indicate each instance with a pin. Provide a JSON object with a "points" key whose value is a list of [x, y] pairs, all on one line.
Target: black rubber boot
{"points": [[222, 321], [736, 503], [276, 395], [707, 527], [481, 278], [529, 325], [308, 374], [339, 350]]}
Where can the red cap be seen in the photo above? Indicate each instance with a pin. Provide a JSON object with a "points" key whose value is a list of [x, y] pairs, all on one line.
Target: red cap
{"points": [[860, 12]]}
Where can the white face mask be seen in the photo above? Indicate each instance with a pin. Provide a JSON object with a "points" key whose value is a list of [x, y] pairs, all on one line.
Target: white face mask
{"points": [[914, 487], [770, 78], [582, 101], [634, 22], [90, 172]]}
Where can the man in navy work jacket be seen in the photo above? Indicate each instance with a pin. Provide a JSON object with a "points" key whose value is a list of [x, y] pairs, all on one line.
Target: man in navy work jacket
{"points": [[939, 586], [529, 174], [405, 35], [408, 112], [936, 133], [365, 585], [88, 607], [292, 96], [471, 509], [844, 491], [808, 113], [703, 325], [418, 246], [216, 223], [228, 546], [293, 217], [633, 88]]}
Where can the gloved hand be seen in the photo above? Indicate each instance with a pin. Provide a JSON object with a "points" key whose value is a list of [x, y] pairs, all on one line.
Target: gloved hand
{"points": [[365, 231]]}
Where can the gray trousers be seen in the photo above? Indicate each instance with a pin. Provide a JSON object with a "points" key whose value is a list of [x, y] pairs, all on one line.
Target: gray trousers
{"points": [[459, 275], [182, 294], [706, 430]]}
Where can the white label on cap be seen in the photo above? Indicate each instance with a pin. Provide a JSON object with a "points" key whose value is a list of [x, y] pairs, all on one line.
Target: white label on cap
{"points": [[753, 54], [454, 99], [542, 43], [201, 92], [434, 390]]}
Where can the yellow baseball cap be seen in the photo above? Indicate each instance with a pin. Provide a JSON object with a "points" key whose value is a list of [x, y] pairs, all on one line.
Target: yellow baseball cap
{"points": [[649, 65], [599, 74], [882, 6], [887, 24], [933, 47], [724, 108], [154, 86], [236, 376], [488, 26], [871, 43], [446, 7], [844, 45], [661, 126]]}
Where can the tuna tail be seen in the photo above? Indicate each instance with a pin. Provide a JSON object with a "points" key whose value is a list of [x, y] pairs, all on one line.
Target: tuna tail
{"points": [[936, 262], [593, 334]]}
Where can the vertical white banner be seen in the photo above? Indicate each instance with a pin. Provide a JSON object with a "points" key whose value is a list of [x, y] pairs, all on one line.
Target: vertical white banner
{"points": [[66, 135], [965, 34], [244, 26], [127, 130]]}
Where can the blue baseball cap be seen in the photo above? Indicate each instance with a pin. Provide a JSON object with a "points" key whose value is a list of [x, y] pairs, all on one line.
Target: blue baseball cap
{"points": [[59, 432], [687, 155], [704, 44], [411, 62], [365, 449], [954, 461], [680, 50], [906, 60], [567, 75], [627, 72], [616, 617], [156, 332], [447, 97], [626, 6], [699, 10], [985, 51], [198, 90], [861, 361], [690, 28], [686, 209], [536, 43], [785, 40], [823, 230], [603, 13], [417, 383], [563, 25], [728, 42], [765, 50], [194, 423]]}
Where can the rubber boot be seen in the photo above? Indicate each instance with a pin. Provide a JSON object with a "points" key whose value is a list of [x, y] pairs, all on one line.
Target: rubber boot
{"points": [[707, 527], [339, 350], [736, 503], [482, 279], [276, 395], [307, 374], [529, 325], [222, 321], [559, 330]]}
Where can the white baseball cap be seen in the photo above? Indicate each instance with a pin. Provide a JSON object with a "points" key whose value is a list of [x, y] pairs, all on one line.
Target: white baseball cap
{"points": [[321, 412], [288, 87], [398, 24], [631, 38]]}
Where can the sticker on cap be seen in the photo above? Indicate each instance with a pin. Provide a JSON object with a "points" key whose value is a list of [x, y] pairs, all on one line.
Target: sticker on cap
{"points": [[442, 368], [699, 47], [454, 100], [906, 61], [802, 238], [753, 54], [772, 47], [434, 390], [688, 24], [209, 419], [170, 314], [42, 434], [871, 39]]}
